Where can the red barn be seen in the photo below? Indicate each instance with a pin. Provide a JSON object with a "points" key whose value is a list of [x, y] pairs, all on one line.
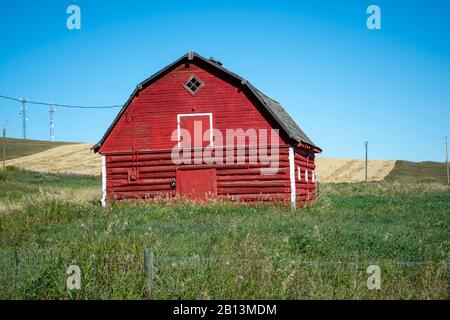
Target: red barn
{"points": [[198, 130]]}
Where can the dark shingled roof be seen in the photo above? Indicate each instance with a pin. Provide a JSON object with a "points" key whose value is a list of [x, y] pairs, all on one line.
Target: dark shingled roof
{"points": [[290, 126], [273, 107]]}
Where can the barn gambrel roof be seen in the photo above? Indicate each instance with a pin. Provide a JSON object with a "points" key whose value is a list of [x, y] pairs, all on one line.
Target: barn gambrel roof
{"points": [[274, 108]]}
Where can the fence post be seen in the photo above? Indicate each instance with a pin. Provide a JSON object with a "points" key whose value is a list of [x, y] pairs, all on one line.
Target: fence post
{"points": [[16, 266], [149, 267], [355, 276]]}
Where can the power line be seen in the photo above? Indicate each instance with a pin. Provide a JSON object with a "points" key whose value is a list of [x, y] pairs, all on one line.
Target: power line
{"points": [[60, 105], [24, 118]]}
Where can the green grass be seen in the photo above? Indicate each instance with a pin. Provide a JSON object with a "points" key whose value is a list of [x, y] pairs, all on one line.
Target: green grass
{"points": [[228, 251], [16, 183], [16, 148], [30, 178], [418, 172]]}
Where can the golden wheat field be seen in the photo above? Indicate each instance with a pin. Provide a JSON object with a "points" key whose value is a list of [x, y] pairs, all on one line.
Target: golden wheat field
{"points": [[351, 170], [73, 158]]}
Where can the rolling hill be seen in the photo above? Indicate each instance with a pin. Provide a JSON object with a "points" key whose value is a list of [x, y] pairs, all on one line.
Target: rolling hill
{"points": [[77, 158], [16, 148], [418, 172]]}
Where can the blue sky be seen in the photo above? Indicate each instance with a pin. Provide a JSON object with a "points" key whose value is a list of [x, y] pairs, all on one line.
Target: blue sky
{"points": [[342, 82]]}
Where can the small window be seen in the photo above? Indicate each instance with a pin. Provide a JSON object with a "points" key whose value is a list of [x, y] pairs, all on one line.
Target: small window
{"points": [[193, 84]]}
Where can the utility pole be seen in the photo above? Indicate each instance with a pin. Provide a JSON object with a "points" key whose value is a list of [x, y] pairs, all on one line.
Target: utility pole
{"points": [[366, 145], [23, 113], [52, 122], [5, 126], [446, 159]]}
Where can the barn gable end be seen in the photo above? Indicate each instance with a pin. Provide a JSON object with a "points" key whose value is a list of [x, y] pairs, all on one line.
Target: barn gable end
{"points": [[278, 116]]}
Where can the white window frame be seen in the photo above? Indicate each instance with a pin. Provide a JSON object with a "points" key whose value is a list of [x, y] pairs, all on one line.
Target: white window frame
{"points": [[195, 115]]}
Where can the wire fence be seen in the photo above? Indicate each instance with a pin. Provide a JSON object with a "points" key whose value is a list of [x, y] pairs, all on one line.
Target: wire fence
{"points": [[45, 275]]}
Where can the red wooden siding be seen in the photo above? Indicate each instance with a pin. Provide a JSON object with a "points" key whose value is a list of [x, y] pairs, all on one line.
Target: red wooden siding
{"points": [[156, 171]]}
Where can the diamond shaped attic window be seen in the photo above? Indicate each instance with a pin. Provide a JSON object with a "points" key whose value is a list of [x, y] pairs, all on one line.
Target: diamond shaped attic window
{"points": [[193, 84]]}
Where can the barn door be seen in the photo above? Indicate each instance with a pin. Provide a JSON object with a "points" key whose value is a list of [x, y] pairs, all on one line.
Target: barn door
{"points": [[197, 184], [196, 124]]}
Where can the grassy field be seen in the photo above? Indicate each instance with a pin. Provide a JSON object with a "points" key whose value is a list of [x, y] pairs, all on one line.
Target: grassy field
{"points": [[222, 250], [16, 148], [418, 172]]}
